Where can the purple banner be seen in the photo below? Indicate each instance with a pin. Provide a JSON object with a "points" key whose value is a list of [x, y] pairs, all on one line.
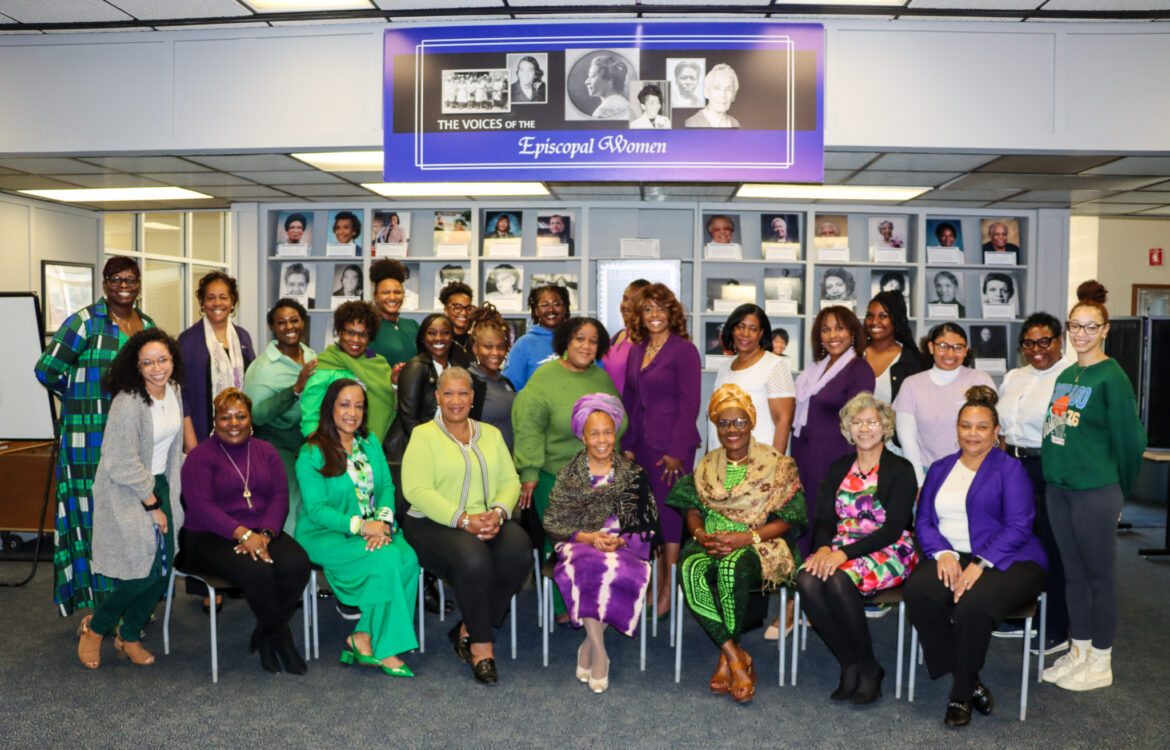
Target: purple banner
{"points": [[605, 101]]}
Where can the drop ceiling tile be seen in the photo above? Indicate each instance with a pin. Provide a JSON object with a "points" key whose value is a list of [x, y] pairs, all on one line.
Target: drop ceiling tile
{"points": [[968, 4], [931, 162], [1157, 186], [715, 192], [362, 176], [318, 190], [32, 182], [302, 177], [1135, 165], [6, 170], [1162, 211], [196, 179], [1014, 205], [243, 192], [564, 189], [997, 181], [249, 162], [144, 163], [1105, 5], [1138, 196], [951, 194], [836, 176], [1112, 209], [1044, 163], [40, 11], [848, 159], [107, 180], [168, 9], [910, 179], [399, 5], [47, 164], [927, 203]]}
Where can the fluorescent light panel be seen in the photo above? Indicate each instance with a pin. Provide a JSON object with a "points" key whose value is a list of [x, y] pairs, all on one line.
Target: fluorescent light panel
{"points": [[110, 195], [831, 192], [283, 6], [343, 161], [445, 189]]}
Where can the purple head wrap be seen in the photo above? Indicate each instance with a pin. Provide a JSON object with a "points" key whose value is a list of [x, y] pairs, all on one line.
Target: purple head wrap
{"points": [[592, 402]]}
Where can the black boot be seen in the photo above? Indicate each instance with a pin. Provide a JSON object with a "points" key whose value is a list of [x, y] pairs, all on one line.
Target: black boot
{"points": [[265, 643], [286, 651], [869, 684], [848, 684]]}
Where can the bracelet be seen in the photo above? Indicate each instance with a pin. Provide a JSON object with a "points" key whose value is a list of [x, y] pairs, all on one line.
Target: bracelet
{"points": [[245, 536], [756, 537], [355, 525], [465, 522], [503, 515], [268, 533], [157, 504]]}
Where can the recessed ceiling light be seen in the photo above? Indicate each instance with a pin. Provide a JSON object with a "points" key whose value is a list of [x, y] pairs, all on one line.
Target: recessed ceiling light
{"points": [[473, 189], [110, 195], [831, 192], [343, 161], [280, 6]]}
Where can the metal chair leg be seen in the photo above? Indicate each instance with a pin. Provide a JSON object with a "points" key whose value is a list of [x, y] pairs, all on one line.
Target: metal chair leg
{"points": [[422, 631], [795, 636], [316, 615], [167, 613], [1026, 662], [442, 602], [642, 640], [539, 587], [544, 593], [1043, 636], [654, 593], [781, 640], [674, 624], [214, 641], [305, 607], [513, 626], [676, 613], [913, 668], [901, 638]]}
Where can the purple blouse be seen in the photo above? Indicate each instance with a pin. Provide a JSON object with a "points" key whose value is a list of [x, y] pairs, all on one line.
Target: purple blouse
{"points": [[213, 488]]}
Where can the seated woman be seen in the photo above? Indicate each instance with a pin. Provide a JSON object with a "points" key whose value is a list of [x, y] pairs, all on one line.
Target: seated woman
{"points": [[236, 494], [981, 559], [604, 522], [134, 520], [861, 542], [347, 527], [458, 478], [744, 508]]}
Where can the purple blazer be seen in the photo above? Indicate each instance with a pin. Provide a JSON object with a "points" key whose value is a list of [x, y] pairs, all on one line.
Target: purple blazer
{"points": [[662, 401], [1000, 512], [197, 370]]}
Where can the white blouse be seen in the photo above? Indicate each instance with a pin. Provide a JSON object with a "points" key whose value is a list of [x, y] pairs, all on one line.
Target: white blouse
{"points": [[166, 422], [951, 506], [768, 378]]}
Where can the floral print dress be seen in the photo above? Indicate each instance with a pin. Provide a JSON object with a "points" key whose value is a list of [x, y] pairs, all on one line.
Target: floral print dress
{"points": [[859, 514]]}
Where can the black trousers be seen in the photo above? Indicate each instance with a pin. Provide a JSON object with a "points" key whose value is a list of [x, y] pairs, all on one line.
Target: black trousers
{"points": [[835, 609], [485, 574], [1057, 622], [271, 590], [955, 637]]}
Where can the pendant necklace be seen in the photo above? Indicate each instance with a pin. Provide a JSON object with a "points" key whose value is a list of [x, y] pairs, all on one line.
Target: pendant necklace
{"points": [[247, 492]]}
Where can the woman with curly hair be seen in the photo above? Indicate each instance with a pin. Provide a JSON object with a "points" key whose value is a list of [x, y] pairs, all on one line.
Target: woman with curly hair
{"points": [[396, 335], [549, 306], [664, 379], [488, 341], [134, 520]]}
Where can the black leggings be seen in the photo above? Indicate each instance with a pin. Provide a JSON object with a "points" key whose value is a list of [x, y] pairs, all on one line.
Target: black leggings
{"points": [[485, 574], [835, 609]]}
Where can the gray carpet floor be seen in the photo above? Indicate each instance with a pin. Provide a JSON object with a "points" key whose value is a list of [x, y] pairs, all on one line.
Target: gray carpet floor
{"points": [[49, 700]]}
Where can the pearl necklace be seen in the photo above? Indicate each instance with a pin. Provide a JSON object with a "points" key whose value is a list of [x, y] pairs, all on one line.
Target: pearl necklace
{"points": [[244, 479]]}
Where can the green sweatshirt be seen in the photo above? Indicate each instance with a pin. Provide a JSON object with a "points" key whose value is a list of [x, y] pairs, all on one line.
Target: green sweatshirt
{"points": [[1093, 436], [542, 414]]}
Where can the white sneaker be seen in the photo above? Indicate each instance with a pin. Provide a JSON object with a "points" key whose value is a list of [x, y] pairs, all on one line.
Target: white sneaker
{"points": [[1096, 672], [1067, 664]]}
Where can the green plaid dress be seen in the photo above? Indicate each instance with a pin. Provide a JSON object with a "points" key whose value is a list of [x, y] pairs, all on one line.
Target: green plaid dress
{"points": [[71, 368]]}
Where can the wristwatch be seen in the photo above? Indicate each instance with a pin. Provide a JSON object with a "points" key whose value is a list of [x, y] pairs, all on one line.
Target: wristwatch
{"points": [[756, 536]]}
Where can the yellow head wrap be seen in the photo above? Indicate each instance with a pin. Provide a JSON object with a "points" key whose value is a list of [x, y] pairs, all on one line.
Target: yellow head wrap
{"points": [[730, 396]]}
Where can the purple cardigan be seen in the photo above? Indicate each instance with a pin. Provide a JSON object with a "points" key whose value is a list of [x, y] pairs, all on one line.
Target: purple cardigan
{"points": [[662, 401], [214, 492], [1000, 512], [197, 368]]}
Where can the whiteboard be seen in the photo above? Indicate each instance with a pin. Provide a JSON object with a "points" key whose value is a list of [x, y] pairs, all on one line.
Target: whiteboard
{"points": [[26, 411]]}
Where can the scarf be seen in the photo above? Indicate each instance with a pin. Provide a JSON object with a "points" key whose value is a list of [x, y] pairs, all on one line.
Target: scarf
{"points": [[771, 482], [227, 367], [812, 380], [373, 372], [576, 505]]}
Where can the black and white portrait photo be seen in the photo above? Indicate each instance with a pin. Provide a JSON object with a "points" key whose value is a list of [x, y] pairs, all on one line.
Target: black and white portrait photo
{"points": [[686, 81], [890, 281], [504, 286], [989, 342], [837, 287], [712, 335], [567, 280], [782, 285], [998, 293], [779, 228], [448, 273], [410, 287], [649, 106], [347, 280], [946, 288], [296, 281], [731, 292], [720, 87], [526, 71], [597, 83], [476, 92]]}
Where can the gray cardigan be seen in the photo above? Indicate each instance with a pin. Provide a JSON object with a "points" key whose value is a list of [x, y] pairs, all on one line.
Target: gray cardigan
{"points": [[124, 544]]}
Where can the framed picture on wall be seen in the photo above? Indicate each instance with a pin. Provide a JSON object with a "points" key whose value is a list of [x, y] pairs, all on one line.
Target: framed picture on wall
{"points": [[67, 287], [613, 276]]}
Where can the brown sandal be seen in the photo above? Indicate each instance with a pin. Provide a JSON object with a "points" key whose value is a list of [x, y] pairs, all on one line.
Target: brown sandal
{"points": [[134, 651], [89, 644], [743, 690], [721, 681]]}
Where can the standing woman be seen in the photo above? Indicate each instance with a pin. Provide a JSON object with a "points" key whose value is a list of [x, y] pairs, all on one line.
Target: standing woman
{"points": [[216, 351], [764, 376], [1092, 453], [493, 392], [456, 301], [1023, 407], [71, 367], [275, 381], [416, 385], [927, 400], [396, 335], [549, 306], [890, 350], [347, 526], [620, 345], [134, 520], [664, 380]]}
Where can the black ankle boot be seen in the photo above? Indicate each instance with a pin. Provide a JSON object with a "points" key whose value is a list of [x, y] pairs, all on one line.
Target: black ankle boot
{"points": [[848, 684], [869, 684], [286, 651], [264, 642]]}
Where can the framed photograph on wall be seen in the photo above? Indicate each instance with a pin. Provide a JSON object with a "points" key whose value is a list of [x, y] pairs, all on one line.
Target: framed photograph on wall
{"points": [[554, 234], [989, 345], [888, 280], [294, 228], [998, 291], [837, 286], [503, 286], [1000, 236], [299, 281], [613, 276], [944, 241], [567, 280], [67, 287], [347, 283], [390, 228], [945, 295], [345, 237]]}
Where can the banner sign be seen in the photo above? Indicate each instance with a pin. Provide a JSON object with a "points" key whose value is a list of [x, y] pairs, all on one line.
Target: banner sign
{"points": [[605, 101]]}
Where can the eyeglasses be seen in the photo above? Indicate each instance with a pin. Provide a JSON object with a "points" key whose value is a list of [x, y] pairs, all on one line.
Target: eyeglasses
{"points": [[739, 424], [354, 334], [457, 308], [944, 347], [1044, 343], [1089, 328], [546, 305], [117, 281], [146, 364], [870, 423]]}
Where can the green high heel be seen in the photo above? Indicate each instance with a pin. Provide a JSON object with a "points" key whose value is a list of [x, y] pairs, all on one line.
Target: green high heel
{"points": [[351, 655], [402, 671]]}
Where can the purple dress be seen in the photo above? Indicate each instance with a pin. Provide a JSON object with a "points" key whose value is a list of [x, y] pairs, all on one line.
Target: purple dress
{"points": [[606, 586], [820, 442], [662, 402]]}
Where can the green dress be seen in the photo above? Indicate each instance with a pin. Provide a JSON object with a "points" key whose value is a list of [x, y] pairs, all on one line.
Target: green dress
{"points": [[382, 583], [397, 340]]}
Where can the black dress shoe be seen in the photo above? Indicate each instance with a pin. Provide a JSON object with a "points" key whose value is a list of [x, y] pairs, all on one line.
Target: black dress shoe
{"points": [[484, 671], [462, 645], [869, 687], [982, 700], [266, 645], [848, 684], [958, 714], [431, 596], [286, 651]]}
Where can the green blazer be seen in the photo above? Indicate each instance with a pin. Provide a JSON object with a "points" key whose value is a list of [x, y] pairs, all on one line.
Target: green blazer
{"points": [[329, 502]]}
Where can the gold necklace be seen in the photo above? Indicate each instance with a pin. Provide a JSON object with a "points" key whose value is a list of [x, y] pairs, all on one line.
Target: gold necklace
{"points": [[247, 492], [652, 349], [740, 462]]}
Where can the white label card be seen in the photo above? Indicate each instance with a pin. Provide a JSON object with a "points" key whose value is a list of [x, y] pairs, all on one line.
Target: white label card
{"points": [[451, 250], [833, 255], [723, 251], [341, 250], [725, 305], [635, 247], [292, 251], [1006, 258], [390, 249], [714, 361], [554, 250], [944, 256], [942, 310], [999, 311], [502, 247], [849, 303], [782, 252], [887, 254], [781, 307], [991, 364], [338, 300]]}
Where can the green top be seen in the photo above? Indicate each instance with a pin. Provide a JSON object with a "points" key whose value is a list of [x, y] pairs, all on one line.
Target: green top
{"points": [[542, 415], [328, 503], [442, 478], [371, 371], [396, 340], [276, 409], [1093, 436]]}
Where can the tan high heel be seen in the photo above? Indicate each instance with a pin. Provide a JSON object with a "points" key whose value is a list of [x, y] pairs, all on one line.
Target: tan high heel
{"points": [[721, 681], [89, 644], [134, 651]]}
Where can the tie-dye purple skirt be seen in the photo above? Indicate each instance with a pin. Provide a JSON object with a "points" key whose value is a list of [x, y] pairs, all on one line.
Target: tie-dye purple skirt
{"points": [[606, 586]]}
